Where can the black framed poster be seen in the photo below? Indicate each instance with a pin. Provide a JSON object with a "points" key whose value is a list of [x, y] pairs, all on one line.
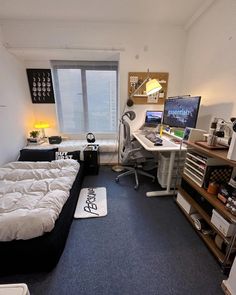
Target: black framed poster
{"points": [[40, 84]]}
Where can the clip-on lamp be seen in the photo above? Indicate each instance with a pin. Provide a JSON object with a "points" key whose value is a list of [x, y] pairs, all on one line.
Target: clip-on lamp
{"points": [[152, 86]]}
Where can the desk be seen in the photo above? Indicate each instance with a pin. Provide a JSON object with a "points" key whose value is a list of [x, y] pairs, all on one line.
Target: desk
{"points": [[168, 146]]}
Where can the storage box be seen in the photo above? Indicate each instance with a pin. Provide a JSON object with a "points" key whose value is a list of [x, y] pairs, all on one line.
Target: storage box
{"points": [[14, 289], [185, 204], [163, 168], [225, 227]]}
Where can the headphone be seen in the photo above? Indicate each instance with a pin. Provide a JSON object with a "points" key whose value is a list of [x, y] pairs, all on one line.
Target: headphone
{"points": [[130, 114], [233, 120], [90, 137]]}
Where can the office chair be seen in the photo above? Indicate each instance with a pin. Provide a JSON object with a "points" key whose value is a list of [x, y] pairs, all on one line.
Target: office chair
{"points": [[133, 156]]}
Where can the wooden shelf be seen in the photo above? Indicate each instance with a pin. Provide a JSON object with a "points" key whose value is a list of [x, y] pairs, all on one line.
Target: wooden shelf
{"points": [[204, 215], [209, 242], [218, 154], [212, 199], [196, 189]]}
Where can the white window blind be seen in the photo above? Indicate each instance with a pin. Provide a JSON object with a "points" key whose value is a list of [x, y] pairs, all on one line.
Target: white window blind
{"points": [[86, 96]]}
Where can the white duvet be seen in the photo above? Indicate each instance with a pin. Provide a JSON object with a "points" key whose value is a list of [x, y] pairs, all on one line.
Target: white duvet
{"points": [[32, 195]]}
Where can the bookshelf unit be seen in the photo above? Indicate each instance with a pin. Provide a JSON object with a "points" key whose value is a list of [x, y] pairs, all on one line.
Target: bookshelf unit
{"points": [[192, 190]]}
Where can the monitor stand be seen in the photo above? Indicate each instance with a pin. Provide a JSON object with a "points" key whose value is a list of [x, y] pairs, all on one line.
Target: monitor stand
{"points": [[177, 133]]}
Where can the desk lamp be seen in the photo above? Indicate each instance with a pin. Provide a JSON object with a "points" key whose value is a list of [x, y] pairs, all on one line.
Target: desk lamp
{"points": [[42, 126], [152, 86]]}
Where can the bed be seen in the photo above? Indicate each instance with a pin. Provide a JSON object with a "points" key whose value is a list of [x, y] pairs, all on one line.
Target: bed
{"points": [[24, 249]]}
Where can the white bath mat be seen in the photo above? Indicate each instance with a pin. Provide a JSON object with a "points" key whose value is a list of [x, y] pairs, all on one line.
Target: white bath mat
{"points": [[92, 203]]}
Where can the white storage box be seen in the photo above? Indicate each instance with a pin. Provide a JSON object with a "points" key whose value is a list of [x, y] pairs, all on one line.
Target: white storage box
{"points": [[185, 204], [14, 289], [225, 227]]}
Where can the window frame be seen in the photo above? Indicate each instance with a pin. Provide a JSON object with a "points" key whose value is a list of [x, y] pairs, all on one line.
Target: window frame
{"points": [[83, 66]]}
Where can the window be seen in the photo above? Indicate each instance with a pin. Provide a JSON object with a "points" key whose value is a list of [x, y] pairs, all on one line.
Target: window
{"points": [[86, 96]]}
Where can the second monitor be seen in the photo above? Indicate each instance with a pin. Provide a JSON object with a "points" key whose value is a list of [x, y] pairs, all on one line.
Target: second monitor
{"points": [[181, 112]]}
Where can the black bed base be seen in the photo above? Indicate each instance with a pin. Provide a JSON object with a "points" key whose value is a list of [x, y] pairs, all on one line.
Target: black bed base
{"points": [[41, 253]]}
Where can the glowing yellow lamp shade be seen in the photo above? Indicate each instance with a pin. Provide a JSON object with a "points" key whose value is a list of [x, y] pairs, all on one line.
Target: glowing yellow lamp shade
{"points": [[152, 86], [41, 125]]}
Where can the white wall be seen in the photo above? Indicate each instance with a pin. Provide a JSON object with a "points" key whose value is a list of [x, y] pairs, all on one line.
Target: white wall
{"points": [[230, 283], [210, 61], [159, 48], [15, 113]]}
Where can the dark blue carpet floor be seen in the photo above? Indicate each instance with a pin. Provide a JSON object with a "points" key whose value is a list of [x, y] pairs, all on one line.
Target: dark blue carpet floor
{"points": [[144, 246]]}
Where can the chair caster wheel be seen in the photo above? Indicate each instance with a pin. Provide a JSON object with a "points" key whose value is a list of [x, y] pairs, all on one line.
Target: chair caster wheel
{"points": [[136, 187], [116, 179], [153, 180]]}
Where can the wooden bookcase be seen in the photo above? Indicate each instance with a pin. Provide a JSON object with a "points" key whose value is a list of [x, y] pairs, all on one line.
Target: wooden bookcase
{"points": [[136, 78], [189, 189]]}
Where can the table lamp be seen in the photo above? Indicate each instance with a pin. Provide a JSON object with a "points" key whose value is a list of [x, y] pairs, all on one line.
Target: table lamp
{"points": [[42, 126]]}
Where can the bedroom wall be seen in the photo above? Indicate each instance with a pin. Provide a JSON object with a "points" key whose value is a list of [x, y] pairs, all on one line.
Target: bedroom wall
{"points": [[210, 61], [15, 112], [159, 48]]}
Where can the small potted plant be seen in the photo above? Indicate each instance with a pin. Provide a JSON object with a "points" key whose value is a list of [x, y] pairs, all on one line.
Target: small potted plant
{"points": [[34, 137], [34, 133]]}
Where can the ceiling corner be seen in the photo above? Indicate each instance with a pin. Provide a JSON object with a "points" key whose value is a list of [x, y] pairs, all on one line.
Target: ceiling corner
{"points": [[203, 8]]}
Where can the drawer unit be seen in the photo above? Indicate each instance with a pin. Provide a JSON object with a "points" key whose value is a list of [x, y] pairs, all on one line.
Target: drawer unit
{"points": [[199, 168]]}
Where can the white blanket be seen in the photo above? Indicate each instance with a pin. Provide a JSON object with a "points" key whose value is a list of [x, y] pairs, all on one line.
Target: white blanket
{"points": [[32, 195]]}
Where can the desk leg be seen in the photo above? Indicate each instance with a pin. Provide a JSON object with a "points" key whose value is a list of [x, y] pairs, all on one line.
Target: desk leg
{"points": [[167, 191]]}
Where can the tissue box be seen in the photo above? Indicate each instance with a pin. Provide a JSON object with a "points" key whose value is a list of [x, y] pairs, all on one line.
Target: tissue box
{"points": [[225, 227], [185, 204]]}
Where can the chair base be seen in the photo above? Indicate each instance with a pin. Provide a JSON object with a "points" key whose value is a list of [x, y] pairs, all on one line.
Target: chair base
{"points": [[135, 171]]}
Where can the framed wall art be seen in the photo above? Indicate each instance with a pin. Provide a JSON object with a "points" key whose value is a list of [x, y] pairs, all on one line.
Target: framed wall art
{"points": [[41, 86]]}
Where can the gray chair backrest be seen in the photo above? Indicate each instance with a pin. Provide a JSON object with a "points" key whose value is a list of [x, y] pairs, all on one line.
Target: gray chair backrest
{"points": [[126, 135], [129, 153]]}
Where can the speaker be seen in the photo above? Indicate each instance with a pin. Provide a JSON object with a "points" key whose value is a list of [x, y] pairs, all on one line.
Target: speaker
{"points": [[91, 159], [54, 139], [232, 148]]}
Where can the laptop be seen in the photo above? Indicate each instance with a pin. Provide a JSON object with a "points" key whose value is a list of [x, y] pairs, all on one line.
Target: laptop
{"points": [[152, 119]]}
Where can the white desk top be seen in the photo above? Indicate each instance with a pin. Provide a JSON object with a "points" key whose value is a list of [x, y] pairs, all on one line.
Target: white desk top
{"points": [[168, 145]]}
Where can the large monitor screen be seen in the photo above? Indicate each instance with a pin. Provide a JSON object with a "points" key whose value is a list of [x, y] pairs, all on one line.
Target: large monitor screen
{"points": [[181, 112]]}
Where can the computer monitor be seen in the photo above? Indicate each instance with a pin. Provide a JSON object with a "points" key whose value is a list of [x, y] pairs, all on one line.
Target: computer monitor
{"points": [[181, 112], [153, 117]]}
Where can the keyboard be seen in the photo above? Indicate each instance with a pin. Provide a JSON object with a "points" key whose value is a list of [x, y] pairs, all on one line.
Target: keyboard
{"points": [[152, 137]]}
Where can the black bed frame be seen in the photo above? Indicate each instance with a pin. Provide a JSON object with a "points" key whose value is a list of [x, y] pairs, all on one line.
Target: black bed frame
{"points": [[42, 253]]}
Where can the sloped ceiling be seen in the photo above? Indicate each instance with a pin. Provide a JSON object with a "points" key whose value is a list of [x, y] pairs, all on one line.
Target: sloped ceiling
{"points": [[172, 12]]}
